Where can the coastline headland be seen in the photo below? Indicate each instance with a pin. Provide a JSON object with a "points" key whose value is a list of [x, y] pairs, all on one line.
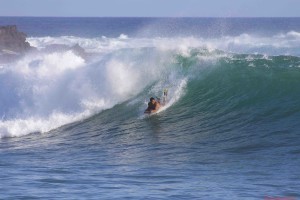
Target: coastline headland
{"points": [[13, 43]]}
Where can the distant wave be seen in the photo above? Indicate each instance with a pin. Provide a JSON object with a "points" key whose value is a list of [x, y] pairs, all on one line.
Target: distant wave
{"points": [[279, 44]]}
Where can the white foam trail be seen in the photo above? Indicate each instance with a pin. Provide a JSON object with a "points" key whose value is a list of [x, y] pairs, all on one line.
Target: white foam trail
{"points": [[20, 127], [174, 96]]}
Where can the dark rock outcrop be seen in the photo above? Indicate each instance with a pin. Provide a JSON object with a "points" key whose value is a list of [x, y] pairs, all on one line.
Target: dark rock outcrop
{"points": [[12, 43], [13, 46]]}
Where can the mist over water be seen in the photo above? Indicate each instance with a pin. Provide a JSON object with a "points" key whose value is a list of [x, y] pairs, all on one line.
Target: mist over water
{"points": [[229, 129]]}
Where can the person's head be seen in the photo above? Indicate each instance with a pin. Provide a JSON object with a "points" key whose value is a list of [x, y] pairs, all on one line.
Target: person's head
{"points": [[152, 100]]}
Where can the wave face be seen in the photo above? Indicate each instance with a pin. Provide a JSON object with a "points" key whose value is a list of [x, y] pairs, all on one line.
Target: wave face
{"points": [[46, 90]]}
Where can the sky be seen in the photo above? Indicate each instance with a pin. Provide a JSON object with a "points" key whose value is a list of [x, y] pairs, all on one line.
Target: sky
{"points": [[151, 8]]}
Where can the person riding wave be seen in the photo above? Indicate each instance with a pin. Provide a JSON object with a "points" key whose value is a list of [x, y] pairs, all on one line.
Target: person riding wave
{"points": [[153, 106]]}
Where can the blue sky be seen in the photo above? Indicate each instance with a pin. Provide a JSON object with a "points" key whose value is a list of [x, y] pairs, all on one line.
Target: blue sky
{"points": [[151, 8]]}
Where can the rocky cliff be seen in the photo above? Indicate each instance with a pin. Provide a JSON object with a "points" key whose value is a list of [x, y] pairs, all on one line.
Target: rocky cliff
{"points": [[13, 46], [12, 43]]}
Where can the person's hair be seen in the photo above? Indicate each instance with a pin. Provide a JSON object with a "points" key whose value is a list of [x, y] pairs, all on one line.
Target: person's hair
{"points": [[152, 99]]}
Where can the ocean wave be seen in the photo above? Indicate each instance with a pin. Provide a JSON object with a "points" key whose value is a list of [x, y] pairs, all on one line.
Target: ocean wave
{"points": [[46, 90]]}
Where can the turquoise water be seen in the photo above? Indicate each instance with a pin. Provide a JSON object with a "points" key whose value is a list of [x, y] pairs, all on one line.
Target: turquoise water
{"points": [[74, 128]]}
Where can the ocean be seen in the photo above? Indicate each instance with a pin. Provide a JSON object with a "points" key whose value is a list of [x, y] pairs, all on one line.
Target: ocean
{"points": [[72, 125]]}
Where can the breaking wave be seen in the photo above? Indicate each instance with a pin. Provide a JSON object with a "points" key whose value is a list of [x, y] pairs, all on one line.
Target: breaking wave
{"points": [[226, 76]]}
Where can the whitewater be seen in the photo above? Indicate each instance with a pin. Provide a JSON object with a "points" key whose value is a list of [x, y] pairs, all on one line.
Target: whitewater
{"points": [[72, 123]]}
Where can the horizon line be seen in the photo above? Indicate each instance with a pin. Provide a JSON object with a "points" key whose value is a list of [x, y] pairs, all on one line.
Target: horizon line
{"points": [[147, 17]]}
